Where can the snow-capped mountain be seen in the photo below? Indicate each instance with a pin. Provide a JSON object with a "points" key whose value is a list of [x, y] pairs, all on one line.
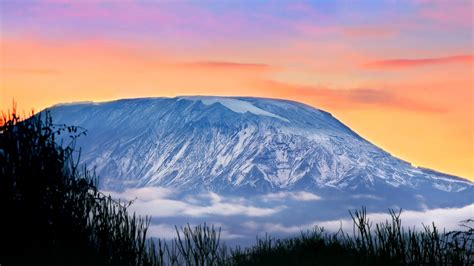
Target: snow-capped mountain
{"points": [[238, 144]]}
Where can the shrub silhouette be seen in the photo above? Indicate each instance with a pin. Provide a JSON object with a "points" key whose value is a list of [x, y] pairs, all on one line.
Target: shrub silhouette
{"points": [[52, 213]]}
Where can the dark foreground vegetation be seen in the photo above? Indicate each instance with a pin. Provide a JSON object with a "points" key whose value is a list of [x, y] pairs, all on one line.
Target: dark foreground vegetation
{"points": [[53, 214]]}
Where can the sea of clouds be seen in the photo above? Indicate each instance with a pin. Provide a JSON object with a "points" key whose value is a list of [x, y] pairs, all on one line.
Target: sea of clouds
{"points": [[245, 218]]}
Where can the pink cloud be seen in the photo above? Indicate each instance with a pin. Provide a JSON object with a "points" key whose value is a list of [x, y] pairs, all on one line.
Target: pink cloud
{"points": [[404, 63], [227, 65], [346, 98]]}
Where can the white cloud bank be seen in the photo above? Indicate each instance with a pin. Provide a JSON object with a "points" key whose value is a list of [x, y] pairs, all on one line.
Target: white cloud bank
{"points": [[298, 196], [158, 202], [165, 202], [448, 219], [168, 231]]}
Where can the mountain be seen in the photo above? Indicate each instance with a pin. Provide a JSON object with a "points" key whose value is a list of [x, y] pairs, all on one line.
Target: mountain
{"points": [[247, 146]]}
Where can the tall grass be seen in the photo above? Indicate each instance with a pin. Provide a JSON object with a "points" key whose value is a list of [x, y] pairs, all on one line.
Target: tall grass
{"points": [[53, 214], [193, 245], [385, 244]]}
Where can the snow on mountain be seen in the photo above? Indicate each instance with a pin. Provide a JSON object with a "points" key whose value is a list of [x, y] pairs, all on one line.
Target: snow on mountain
{"points": [[238, 144], [250, 166], [235, 105]]}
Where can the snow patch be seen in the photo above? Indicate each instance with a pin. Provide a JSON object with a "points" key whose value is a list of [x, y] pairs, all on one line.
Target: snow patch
{"points": [[237, 106]]}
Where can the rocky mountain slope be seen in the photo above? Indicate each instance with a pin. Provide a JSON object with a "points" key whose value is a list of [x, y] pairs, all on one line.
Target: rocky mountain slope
{"points": [[236, 144]]}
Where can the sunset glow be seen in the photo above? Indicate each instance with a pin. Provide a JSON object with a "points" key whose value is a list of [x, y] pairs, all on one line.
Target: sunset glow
{"points": [[399, 73]]}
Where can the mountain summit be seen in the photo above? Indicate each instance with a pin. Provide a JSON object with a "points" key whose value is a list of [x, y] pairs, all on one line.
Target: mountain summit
{"points": [[237, 144]]}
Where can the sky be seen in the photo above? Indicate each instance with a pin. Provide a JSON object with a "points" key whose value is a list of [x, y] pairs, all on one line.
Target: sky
{"points": [[399, 73]]}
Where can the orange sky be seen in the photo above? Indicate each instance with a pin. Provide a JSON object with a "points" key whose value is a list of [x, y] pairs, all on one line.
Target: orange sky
{"points": [[407, 89]]}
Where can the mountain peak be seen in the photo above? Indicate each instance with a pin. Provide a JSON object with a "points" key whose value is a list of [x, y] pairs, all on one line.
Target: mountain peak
{"points": [[236, 144], [237, 105]]}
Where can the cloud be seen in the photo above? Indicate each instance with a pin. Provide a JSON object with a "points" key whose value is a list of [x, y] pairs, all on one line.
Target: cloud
{"points": [[161, 202], [144, 194], [168, 231], [366, 196], [368, 95], [161, 231], [448, 218], [407, 63], [252, 225], [226, 65], [298, 196], [346, 98], [251, 220], [227, 209], [214, 197]]}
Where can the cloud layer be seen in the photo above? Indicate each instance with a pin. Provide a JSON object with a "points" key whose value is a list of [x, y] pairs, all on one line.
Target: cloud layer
{"points": [[406, 63], [449, 219], [298, 196], [279, 213], [163, 202]]}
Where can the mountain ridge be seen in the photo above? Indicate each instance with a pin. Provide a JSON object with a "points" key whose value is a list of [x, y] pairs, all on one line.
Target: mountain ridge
{"points": [[294, 142]]}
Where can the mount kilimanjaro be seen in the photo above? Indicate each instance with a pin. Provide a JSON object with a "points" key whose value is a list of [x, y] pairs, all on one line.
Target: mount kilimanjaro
{"points": [[243, 145]]}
